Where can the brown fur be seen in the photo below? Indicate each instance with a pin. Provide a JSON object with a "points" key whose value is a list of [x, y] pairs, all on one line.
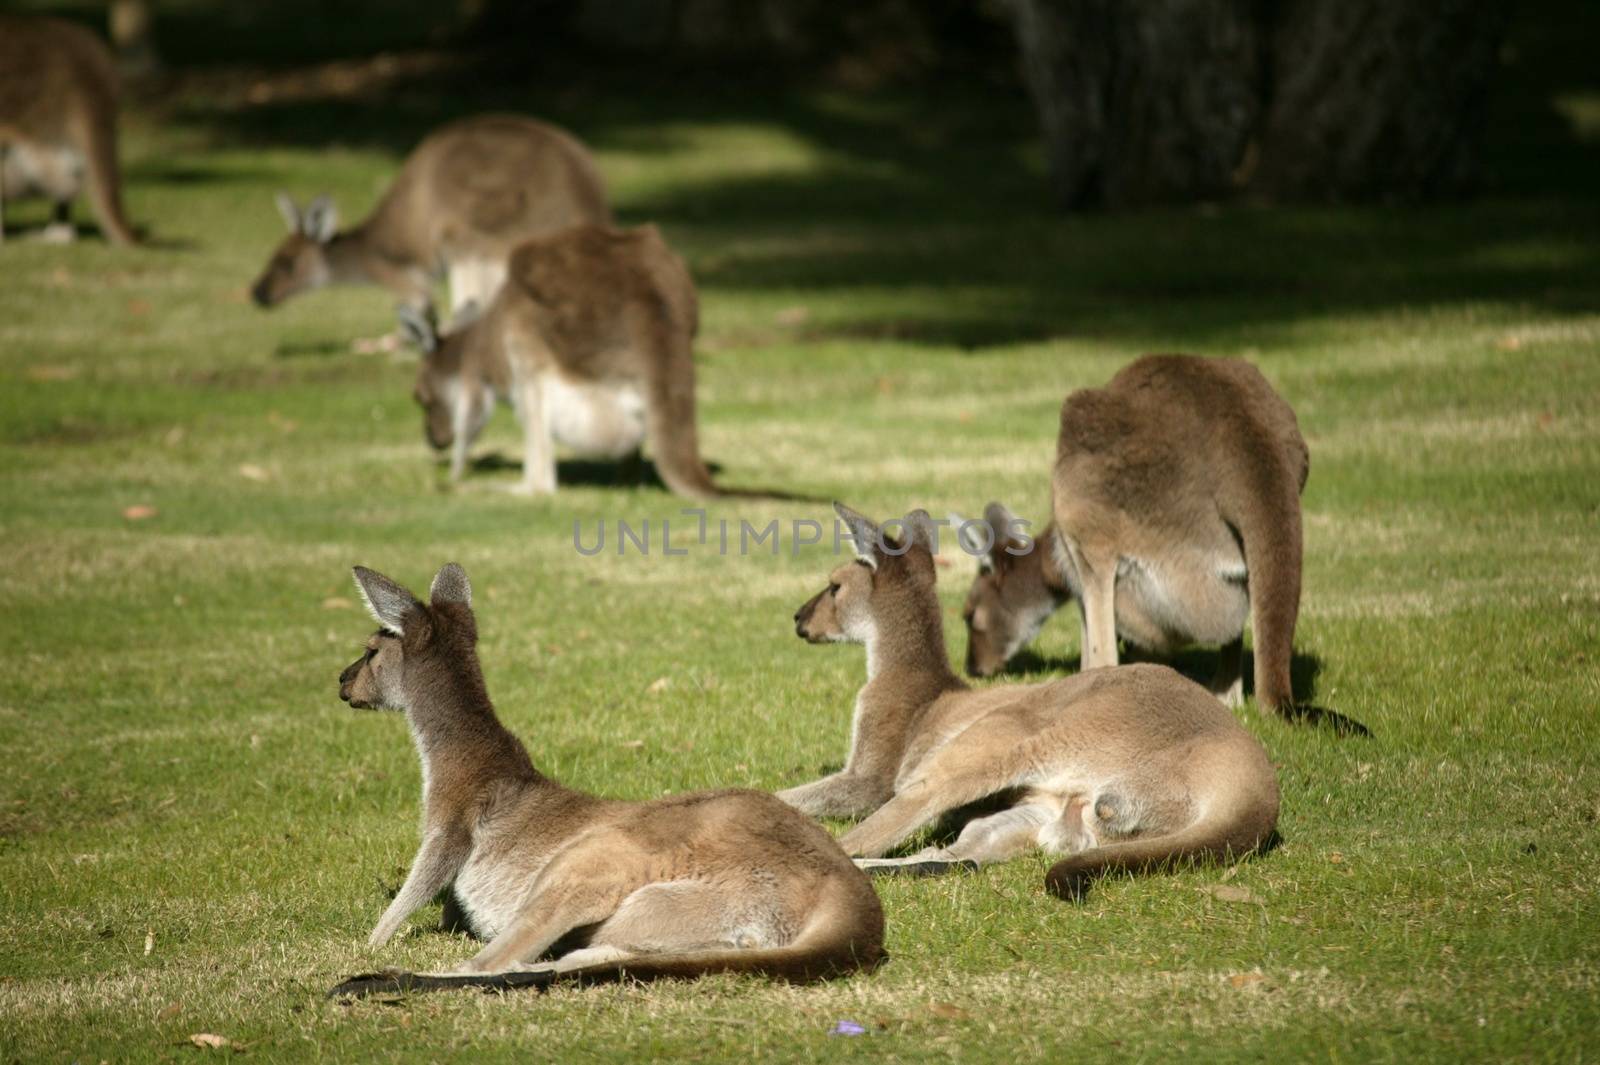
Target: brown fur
{"points": [[715, 881], [1127, 768], [467, 195], [1177, 514], [593, 331], [58, 120]]}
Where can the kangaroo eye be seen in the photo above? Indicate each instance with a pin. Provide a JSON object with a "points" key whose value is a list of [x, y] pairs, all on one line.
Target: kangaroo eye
{"points": [[833, 589]]}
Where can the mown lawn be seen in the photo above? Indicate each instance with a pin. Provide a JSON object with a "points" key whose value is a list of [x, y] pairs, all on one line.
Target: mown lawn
{"points": [[196, 835]]}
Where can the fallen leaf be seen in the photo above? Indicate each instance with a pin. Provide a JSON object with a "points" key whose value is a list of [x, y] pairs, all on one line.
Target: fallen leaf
{"points": [[52, 373], [149, 942], [949, 1011], [1509, 342], [139, 307], [174, 436], [251, 472], [660, 684], [1336, 858], [632, 745], [169, 1011], [1245, 979], [139, 512], [337, 602], [210, 1040], [1231, 893]]}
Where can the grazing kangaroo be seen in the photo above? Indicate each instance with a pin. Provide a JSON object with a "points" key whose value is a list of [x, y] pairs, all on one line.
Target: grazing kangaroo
{"points": [[712, 881], [1131, 768], [467, 195], [1177, 517], [58, 123], [591, 340]]}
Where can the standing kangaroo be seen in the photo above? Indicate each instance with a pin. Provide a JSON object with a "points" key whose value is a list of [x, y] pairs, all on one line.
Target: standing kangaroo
{"points": [[591, 339], [467, 195], [712, 881], [1131, 768], [58, 123], [1177, 517]]}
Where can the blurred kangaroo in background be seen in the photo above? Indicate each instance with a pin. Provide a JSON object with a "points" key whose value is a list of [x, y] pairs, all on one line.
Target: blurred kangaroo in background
{"points": [[58, 123], [591, 339], [1130, 768], [1177, 517], [711, 881], [468, 194]]}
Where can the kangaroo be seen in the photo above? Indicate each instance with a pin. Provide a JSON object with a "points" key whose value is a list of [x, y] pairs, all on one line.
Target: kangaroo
{"points": [[712, 881], [468, 194], [1177, 517], [590, 339], [58, 123], [1130, 768]]}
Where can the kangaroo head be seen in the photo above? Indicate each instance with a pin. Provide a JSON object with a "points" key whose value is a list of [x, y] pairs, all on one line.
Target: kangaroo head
{"points": [[1009, 599], [416, 642], [449, 404], [300, 262], [888, 588]]}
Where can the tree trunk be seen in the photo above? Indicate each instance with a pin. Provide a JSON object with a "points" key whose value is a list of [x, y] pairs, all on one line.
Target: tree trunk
{"points": [[133, 40], [1144, 101], [1379, 98]]}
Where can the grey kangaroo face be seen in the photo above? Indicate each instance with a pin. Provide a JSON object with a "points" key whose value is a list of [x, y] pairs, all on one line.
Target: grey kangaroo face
{"points": [[373, 681], [300, 262], [840, 612], [886, 586], [1009, 599]]}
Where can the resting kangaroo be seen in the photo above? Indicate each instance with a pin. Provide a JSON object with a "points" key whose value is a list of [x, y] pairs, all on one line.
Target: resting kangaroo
{"points": [[713, 881], [467, 195], [1130, 768], [58, 123], [591, 339], [1177, 517]]}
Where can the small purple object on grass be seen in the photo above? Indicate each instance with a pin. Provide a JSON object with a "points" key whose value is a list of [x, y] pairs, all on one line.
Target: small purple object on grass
{"points": [[848, 1028]]}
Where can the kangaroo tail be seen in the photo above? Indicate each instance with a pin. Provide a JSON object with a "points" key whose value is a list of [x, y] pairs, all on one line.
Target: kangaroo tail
{"points": [[98, 135], [1268, 522], [844, 934], [1234, 824], [674, 433]]}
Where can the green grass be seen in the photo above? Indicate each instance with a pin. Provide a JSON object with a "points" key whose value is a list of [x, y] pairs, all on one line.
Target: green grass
{"points": [[196, 835]]}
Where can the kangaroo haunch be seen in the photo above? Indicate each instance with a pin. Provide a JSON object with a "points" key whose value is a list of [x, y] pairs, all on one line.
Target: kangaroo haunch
{"points": [[58, 123], [1133, 767], [714, 881], [469, 193], [591, 340], [1177, 517]]}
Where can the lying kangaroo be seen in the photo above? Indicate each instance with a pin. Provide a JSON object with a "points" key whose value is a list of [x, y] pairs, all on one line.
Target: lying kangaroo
{"points": [[713, 881], [1177, 516], [1129, 768], [590, 339], [58, 123], [467, 195]]}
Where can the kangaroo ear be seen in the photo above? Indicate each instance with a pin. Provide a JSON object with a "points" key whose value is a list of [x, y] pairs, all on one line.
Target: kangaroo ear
{"points": [[920, 531], [320, 220], [450, 585], [864, 535], [1002, 527], [290, 213], [417, 328], [387, 602], [976, 539]]}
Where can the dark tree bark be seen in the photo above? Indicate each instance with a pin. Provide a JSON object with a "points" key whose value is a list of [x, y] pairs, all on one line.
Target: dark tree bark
{"points": [[1160, 100], [1146, 101], [1379, 98]]}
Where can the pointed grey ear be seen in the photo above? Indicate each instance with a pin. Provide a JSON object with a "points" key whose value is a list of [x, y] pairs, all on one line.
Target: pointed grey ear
{"points": [[417, 328], [1002, 526], [387, 602], [920, 531], [865, 537], [291, 213], [466, 314], [320, 220], [976, 539], [450, 585]]}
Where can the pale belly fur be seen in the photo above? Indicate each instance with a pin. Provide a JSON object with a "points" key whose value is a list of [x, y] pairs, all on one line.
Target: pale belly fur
{"points": [[38, 170], [603, 420], [1189, 597]]}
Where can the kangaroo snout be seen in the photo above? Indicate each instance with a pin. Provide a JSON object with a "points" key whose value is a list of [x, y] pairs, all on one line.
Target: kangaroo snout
{"points": [[803, 615], [259, 295]]}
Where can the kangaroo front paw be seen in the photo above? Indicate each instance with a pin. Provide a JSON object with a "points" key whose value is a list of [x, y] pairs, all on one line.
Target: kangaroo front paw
{"points": [[532, 488]]}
